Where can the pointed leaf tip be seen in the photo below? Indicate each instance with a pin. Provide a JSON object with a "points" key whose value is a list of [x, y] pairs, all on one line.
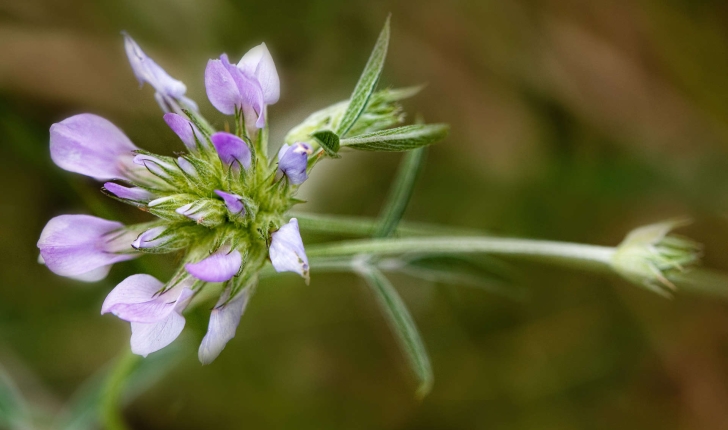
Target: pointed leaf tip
{"points": [[367, 82]]}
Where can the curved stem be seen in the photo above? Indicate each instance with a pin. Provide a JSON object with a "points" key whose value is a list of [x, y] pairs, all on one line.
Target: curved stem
{"points": [[112, 395]]}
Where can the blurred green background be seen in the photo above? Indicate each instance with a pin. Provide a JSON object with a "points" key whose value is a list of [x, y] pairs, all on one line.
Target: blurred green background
{"points": [[571, 120]]}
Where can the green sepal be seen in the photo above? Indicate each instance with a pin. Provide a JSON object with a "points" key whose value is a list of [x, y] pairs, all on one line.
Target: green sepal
{"points": [[329, 142]]}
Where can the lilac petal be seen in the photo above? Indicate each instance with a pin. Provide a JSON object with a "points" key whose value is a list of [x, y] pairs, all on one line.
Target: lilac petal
{"points": [[74, 245], [259, 63], [224, 320], [137, 299], [127, 193], [138, 288], [218, 267], [293, 162], [231, 149], [233, 202], [221, 87], [148, 338], [189, 210], [187, 167], [146, 70], [90, 145], [93, 275], [187, 132], [150, 238], [286, 250], [154, 165]]}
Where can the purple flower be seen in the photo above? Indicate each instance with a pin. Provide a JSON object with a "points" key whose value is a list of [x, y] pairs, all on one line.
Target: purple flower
{"points": [[92, 146], [233, 202], [150, 238], [83, 247], [169, 91], [155, 316], [128, 193], [187, 132], [232, 150], [247, 87], [218, 267], [224, 320], [286, 250], [259, 63], [293, 161]]}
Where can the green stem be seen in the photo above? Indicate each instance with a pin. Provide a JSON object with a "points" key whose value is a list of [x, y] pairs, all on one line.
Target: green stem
{"points": [[112, 397], [570, 254]]}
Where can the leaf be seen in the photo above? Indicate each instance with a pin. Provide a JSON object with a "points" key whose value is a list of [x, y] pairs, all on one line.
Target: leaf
{"points": [[397, 139], [329, 142], [403, 326], [367, 82], [400, 192]]}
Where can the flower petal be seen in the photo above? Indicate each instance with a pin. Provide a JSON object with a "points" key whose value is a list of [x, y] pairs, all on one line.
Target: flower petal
{"points": [[224, 320], [150, 238], [137, 299], [286, 250], [231, 149], [138, 288], [74, 245], [184, 129], [94, 275], [233, 202], [90, 145], [218, 267], [187, 167], [146, 70], [293, 161], [128, 193], [148, 338], [259, 63], [221, 88]]}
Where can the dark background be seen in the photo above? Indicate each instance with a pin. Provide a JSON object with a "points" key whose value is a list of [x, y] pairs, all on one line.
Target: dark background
{"points": [[571, 120]]}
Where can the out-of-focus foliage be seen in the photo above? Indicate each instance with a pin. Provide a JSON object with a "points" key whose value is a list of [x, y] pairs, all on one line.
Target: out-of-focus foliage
{"points": [[570, 120]]}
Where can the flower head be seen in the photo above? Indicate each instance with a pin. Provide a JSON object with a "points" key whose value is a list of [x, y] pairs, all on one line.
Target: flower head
{"points": [[221, 205], [650, 254]]}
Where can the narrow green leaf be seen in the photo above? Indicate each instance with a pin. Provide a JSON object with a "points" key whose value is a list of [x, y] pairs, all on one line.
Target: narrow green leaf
{"points": [[400, 193], [329, 142], [398, 139], [403, 326], [367, 82]]}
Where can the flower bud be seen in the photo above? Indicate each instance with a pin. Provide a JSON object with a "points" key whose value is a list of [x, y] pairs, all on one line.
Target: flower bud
{"points": [[208, 212], [649, 255]]}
